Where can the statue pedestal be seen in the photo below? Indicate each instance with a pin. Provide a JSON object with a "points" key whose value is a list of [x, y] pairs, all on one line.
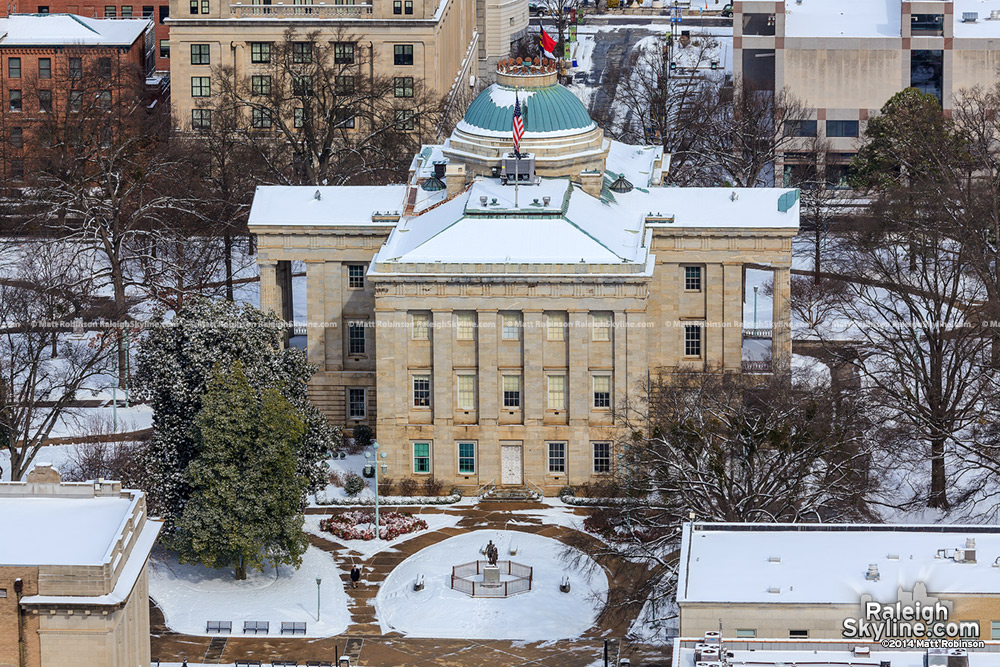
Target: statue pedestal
{"points": [[491, 575]]}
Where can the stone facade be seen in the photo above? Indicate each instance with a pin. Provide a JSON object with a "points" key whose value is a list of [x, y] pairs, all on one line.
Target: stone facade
{"points": [[76, 612]]}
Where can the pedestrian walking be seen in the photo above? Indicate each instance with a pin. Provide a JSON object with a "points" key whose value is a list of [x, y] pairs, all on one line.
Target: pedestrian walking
{"points": [[355, 576]]}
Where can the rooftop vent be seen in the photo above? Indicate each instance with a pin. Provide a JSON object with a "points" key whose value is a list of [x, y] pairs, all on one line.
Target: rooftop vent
{"points": [[774, 590], [774, 559], [433, 184], [546, 199], [621, 184], [893, 556], [482, 200], [872, 574], [969, 17], [994, 15], [317, 196]]}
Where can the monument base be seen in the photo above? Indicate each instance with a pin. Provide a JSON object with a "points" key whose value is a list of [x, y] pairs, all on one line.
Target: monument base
{"points": [[491, 575]]}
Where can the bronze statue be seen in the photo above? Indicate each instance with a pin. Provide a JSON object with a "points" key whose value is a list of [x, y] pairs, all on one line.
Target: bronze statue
{"points": [[492, 554]]}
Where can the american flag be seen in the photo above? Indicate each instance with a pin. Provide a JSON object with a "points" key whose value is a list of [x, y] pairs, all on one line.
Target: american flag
{"points": [[518, 127]]}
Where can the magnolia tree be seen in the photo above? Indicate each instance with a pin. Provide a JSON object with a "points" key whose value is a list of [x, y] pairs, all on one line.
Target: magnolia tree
{"points": [[176, 360]]}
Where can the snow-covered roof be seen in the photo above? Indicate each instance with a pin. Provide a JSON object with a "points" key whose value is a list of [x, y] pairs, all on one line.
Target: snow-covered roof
{"points": [[60, 531], [825, 563], [831, 658], [749, 208], [299, 205], [843, 18], [69, 30], [636, 162], [982, 26]]}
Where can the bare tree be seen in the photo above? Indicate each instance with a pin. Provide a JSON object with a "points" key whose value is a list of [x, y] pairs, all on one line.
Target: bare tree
{"points": [[315, 112]]}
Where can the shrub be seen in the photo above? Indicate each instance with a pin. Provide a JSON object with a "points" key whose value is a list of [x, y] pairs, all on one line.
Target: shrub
{"points": [[353, 484], [433, 486], [336, 478], [362, 439], [409, 487], [360, 524], [567, 491], [386, 485], [602, 488], [455, 491]]}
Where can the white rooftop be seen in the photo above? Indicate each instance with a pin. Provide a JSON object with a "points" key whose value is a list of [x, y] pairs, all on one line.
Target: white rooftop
{"points": [[843, 18], [60, 531], [742, 563], [832, 658], [295, 205], [69, 30], [982, 26]]}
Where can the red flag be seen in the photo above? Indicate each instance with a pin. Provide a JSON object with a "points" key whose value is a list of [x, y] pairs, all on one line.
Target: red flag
{"points": [[518, 126], [548, 45]]}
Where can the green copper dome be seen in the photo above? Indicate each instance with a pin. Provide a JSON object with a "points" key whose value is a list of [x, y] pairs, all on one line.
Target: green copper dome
{"points": [[546, 109]]}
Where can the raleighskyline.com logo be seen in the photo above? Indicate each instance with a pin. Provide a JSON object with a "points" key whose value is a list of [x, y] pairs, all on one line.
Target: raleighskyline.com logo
{"points": [[898, 620]]}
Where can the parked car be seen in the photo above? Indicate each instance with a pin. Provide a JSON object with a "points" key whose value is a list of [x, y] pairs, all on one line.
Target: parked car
{"points": [[727, 11]]}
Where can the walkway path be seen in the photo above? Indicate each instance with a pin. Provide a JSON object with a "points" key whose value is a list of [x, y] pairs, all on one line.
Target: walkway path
{"points": [[393, 649]]}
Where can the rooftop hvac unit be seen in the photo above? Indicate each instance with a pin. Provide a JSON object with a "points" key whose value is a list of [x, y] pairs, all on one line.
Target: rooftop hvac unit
{"points": [[937, 657], [522, 170], [862, 651], [699, 651], [872, 574], [994, 15], [713, 637], [958, 657], [710, 655], [708, 664], [969, 17]]}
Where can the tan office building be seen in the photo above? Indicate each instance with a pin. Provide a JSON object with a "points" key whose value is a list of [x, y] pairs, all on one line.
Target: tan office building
{"points": [[73, 581], [845, 58], [489, 330], [444, 43]]}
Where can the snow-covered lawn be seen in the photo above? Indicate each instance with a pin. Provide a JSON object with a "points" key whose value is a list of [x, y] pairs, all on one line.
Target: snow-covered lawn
{"points": [[191, 595], [368, 548], [539, 614]]}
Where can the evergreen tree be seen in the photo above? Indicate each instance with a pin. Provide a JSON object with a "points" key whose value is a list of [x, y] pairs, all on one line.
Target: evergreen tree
{"points": [[244, 504], [175, 362]]}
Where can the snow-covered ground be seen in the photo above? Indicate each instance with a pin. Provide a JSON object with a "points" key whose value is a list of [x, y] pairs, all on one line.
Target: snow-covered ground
{"points": [[368, 548], [191, 595], [542, 613]]}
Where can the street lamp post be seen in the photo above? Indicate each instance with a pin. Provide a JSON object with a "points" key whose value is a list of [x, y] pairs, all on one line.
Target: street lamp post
{"points": [[318, 582], [374, 462]]}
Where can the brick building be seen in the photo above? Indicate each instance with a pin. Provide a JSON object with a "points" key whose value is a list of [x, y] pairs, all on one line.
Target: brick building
{"points": [[155, 10], [489, 330], [54, 67], [73, 579]]}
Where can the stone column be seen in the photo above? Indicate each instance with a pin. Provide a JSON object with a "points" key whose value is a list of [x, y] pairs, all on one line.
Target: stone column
{"points": [[442, 366], [781, 320], [535, 390], [269, 296], [732, 309], [619, 378], [334, 299], [284, 279], [316, 313], [578, 450]]}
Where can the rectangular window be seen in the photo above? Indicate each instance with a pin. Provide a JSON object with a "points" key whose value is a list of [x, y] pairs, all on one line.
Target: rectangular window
{"points": [[838, 176], [994, 630], [44, 9], [557, 457], [17, 169], [355, 276], [13, 68], [75, 101], [45, 101], [104, 100], [16, 137], [692, 340], [403, 86], [466, 458], [421, 326], [343, 53], [3, 592], [110, 11], [193, 8], [842, 128], [343, 85], [201, 119], [758, 24], [557, 392], [201, 86], [692, 278], [45, 68], [298, 117], [260, 52], [465, 328], [302, 86], [404, 119], [798, 634], [126, 11], [421, 391], [148, 11], [356, 403], [164, 14], [260, 84], [602, 457], [205, 6], [745, 634], [402, 54], [397, 6], [75, 68], [421, 457], [164, 48], [302, 52], [408, 7], [511, 326], [104, 68], [512, 391], [15, 99], [356, 338], [602, 391], [601, 326], [555, 326], [341, 121], [200, 54], [467, 392], [260, 118], [800, 128], [927, 24]]}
